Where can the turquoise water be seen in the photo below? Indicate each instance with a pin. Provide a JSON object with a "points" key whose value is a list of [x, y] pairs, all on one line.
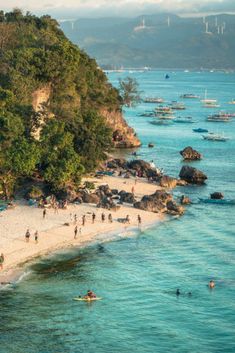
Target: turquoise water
{"points": [[137, 276]]}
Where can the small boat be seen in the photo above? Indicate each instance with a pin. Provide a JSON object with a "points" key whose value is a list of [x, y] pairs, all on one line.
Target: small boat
{"points": [[163, 109], [184, 120], [200, 130], [217, 118], [218, 201], [167, 76], [232, 101], [209, 103], [177, 105], [189, 96], [165, 116], [153, 100], [161, 122], [151, 145], [211, 136], [147, 114], [87, 299]]}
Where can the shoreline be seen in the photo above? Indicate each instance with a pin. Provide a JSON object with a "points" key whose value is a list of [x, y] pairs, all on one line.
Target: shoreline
{"points": [[55, 236]]}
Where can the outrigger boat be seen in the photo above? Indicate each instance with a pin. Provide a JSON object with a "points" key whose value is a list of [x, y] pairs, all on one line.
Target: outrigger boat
{"points": [[211, 136], [153, 100], [189, 96], [184, 120]]}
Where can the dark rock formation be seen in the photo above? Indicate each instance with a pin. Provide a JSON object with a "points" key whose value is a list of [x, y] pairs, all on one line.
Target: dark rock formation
{"points": [[190, 154], [117, 163], [217, 196], [168, 182], [91, 198], [155, 202], [192, 175], [127, 197], [107, 203], [174, 209], [185, 200], [104, 190]]}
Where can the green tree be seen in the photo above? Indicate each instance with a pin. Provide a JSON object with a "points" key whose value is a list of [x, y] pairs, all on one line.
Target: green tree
{"points": [[129, 91]]}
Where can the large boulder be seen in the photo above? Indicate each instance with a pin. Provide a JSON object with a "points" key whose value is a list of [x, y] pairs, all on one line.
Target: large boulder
{"points": [[91, 198], [117, 163], [154, 203], [217, 196], [192, 175], [174, 209], [144, 167], [190, 154], [127, 197], [168, 182], [105, 190], [107, 203]]}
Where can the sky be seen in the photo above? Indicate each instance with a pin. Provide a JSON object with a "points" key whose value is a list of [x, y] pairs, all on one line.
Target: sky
{"points": [[98, 8]]}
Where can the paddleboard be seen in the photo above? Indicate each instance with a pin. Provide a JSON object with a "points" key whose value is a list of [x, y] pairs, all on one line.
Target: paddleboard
{"points": [[86, 299]]}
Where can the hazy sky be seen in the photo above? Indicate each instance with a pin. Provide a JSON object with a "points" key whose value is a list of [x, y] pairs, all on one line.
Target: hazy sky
{"points": [[81, 8]]}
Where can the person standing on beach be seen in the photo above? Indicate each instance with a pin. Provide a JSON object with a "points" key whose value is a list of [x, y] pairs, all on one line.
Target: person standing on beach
{"points": [[133, 190], [128, 219], [27, 235], [110, 218], [93, 217], [2, 258], [44, 213], [83, 220], [139, 220], [36, 237], [75, 219], [102, 217], [75, 232]]}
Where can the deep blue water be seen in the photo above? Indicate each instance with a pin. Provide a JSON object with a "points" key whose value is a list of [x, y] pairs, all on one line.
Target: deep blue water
{"points": [[137, 276]]}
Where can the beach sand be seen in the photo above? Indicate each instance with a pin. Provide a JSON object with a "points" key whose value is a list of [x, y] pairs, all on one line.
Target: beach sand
{"points": [[55, 235]]}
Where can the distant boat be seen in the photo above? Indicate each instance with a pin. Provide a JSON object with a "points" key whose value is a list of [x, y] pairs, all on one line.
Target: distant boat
{"points": [[219, 201], [209, 103], [167, 76], [153, 100], [184, 120], [232, 101], [189, 96], [211, 136], [161, 122], [220, 117], [200, 130], [165, 116], [177, 105], [163, 110]]}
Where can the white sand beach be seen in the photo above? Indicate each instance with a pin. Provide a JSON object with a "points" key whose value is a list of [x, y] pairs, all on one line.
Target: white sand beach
{"points": [[54, 234]]}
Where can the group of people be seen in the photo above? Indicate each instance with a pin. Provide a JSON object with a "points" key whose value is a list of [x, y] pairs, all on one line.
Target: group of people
{"points": [[211, 285], [28, 235]]}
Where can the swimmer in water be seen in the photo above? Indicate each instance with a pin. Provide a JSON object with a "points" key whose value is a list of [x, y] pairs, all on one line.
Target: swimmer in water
{"points": [[211, 284], [177, 292]]}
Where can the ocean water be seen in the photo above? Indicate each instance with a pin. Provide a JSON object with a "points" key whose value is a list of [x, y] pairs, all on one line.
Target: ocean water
{"points": [[137, 276]]}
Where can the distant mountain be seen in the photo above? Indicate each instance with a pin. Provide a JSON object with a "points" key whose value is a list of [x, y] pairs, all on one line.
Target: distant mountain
{"points": [[161, 40]]}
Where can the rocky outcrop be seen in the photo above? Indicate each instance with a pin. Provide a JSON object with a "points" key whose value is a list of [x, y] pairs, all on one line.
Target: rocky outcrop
{"points": [[117, 163], [143, 167], [168, 182], [217, 196], [192, 175], [127, 197], [185, 200], [123, 135], [174, 209], [190, 154]]}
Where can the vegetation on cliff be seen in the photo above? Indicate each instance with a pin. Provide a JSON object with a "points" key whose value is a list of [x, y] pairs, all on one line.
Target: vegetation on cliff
{"points": [[72, 134]]}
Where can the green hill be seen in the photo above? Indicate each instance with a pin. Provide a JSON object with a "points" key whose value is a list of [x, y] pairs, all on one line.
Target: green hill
{"points": [[57, 109]]}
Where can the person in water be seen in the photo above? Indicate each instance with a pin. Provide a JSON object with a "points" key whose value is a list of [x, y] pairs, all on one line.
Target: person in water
{"points": [[90, 294], [211, 284], [177, 292]]}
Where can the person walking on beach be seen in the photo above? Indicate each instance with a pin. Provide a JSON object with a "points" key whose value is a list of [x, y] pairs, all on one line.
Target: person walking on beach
{"points": [[36, 237], [75, 219], [128, 219], [44, 213], [139, 220], [83, 220], [93, 217], [75, 232], [102, 217], [27, 235], [110, 218], [133, 190], [2, 258]]}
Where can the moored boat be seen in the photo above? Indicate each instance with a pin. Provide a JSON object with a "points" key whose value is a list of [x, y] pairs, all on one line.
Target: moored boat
{"points": [[177, 105], [189, 96], [211, 136], [184, 120], [200, 130], [153, 100]]}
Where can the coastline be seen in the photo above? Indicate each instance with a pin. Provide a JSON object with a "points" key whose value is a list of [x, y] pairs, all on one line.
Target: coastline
{"points": [[54, 235]]}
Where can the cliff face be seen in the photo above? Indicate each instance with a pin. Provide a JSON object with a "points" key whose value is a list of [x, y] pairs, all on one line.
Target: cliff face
{"points": [[123, 135]]}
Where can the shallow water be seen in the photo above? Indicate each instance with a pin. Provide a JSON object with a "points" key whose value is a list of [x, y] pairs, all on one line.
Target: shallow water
{"points": [[137, 277]]}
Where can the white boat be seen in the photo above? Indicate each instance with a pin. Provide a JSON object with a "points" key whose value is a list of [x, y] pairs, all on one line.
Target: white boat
{"points": [[153, 100], [211, 136], [184, 119], [220, 117], [177, 105], [163, 110], [166, 116], [232, 101], [208, 102]]}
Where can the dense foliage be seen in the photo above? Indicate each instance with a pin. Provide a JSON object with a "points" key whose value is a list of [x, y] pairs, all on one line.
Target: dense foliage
{"points": [[72, 134]]}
